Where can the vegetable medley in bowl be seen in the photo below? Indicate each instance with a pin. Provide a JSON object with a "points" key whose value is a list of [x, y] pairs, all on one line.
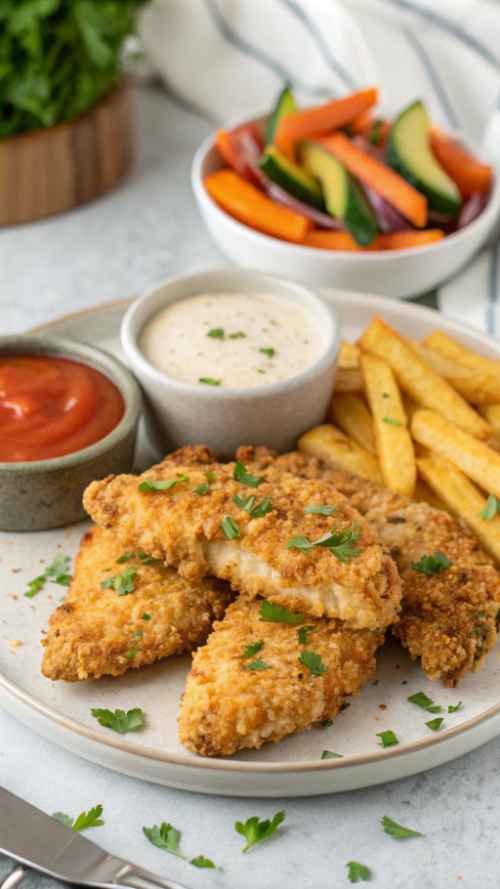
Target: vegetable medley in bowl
{"points": [[338, 177]]}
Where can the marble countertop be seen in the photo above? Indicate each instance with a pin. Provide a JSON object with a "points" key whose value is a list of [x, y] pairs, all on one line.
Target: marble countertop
{"points": [[129, 241]]}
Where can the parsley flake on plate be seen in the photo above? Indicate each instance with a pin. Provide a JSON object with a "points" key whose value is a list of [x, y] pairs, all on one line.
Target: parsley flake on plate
{"points": [[241, 475], [326, 723], [330, 754], [230, 528], [252, 649], [313, 662], [165, 837], [237, 335], [397, 831], [388, 738], [202, 861], [357, 872], [119, 720], [209, 381], [433, 564], [255, 831], [426, 703], [123, 583], [303, 634], [83, 821], [452, 708], [216, 333], [319, 509], [278, 614], [391, 421], [435, 724], [341, 544], [491, 508], [268, 351], [57, 571]]}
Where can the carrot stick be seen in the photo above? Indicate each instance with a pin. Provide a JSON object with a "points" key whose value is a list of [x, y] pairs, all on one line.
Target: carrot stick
{"points": [[226, 148], [375, 128], [466, 170], [241, 199], [327, 240], [321, 118], [382, 179]]}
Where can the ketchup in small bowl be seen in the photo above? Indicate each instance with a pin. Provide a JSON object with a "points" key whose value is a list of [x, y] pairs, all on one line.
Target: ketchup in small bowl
{"points": [[51, 406]]}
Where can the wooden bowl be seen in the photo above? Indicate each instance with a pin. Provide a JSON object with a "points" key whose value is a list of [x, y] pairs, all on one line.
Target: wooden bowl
{"points": [[51, 170]]}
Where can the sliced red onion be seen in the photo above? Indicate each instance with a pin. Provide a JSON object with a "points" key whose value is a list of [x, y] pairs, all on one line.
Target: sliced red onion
{"points": [[388, 218], [471, 209], [281, 196]]}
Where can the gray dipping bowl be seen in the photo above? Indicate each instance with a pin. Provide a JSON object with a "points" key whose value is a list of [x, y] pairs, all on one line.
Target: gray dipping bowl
{"points": [[42, 494]]}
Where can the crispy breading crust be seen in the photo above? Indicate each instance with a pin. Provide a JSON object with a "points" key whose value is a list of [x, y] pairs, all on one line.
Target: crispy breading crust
{"points": [[449, 620], [185, 530], [227, 706], [95, 631]]}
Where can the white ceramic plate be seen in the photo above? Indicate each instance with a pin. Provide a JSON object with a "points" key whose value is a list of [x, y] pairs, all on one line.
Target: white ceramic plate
{"points": [[61, 712]]}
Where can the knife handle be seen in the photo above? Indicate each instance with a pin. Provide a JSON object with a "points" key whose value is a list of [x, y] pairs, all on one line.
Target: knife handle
{"points": [[14, 878]]}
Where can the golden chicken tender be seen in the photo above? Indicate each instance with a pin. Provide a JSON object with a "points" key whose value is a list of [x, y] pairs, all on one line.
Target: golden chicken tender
{"points": [[123, 610], [257, 681], [296, 541], [450, 613]]}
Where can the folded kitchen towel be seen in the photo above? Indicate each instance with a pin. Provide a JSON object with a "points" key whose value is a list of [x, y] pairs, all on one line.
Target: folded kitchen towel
{"points": [[227, 60]]}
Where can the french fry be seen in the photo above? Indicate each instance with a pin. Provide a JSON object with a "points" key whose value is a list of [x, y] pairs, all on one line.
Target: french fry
{"points": [[462, 498], [491, 413], [450, 348], [350, 413], [348, 356], [424, 494], [420, 381], [394, 444], [476, 459], [349, 379], [331, 445], [473, 384]]}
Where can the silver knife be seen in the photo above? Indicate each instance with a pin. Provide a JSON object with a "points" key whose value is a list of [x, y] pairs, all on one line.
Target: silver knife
{"points": [[37, 840]]}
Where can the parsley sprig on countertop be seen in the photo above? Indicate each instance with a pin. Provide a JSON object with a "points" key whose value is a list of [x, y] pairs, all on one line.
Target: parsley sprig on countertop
{"points": [[83, 821], [255, 831], [397, 831], [165, 836], [357, 872], [57, 571], [119, 720]]}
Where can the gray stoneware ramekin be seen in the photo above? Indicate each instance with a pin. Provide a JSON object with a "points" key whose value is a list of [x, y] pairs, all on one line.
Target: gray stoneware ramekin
{"points": [[42, 494], [275, 414]]}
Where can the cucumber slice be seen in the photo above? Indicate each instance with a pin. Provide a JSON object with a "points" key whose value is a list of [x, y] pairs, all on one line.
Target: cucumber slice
{"points": [[342, 194], [292, 177], [410, 154], [285, 105]]}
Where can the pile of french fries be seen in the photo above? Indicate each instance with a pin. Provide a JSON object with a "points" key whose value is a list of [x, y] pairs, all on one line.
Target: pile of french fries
{"points": [[420, 418]]}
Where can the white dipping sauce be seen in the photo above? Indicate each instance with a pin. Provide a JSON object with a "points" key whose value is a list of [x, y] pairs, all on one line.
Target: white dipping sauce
{"points": [[233, 339]]}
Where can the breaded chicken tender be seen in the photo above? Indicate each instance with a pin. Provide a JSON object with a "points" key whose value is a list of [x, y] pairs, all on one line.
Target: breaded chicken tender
{"points": [[248, 685], [450, 619], [145, 612], [258, 534]]}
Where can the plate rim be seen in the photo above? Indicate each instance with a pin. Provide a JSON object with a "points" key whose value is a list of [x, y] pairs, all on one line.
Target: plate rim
{"points": [[217, 764]]}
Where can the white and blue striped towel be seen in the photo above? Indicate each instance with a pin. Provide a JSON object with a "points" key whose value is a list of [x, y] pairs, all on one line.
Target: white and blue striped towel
{"points": [[228, 59]]}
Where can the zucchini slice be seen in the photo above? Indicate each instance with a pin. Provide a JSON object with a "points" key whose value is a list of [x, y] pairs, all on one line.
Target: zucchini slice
{"points": [[292, 177], [285, 104]]}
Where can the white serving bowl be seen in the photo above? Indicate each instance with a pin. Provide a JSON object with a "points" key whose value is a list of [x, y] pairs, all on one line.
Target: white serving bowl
{"points": [[398, 274], [275, 414]]}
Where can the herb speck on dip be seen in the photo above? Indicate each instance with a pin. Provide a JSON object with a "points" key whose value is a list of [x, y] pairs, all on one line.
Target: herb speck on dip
{"points": [[233, 339]]}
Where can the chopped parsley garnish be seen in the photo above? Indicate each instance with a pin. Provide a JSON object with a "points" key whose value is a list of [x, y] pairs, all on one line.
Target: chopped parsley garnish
{"points": [[435, 724], [268, 351], [125, 557], [252, 649], [57, 571], [326, 723], [491, 508], [391, 421], [255, 831], [388, 738], [241, 475], [357, 872], [319, 509], [122, 584], [146, 616], [421, 700], [237, 335], [164, 836], [210, 476], [140, 554], [329, 754], [397, 831], [342, 544], [92, 818], [257, 665], [152, 484], [249, 504], [202, 489], [279, 614], [433, 564], [216, 333], [202, 861], [452, 708], [303, 634], [230, 528], [209, 381], [313, 662], [119, 720], [132, 653]]}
